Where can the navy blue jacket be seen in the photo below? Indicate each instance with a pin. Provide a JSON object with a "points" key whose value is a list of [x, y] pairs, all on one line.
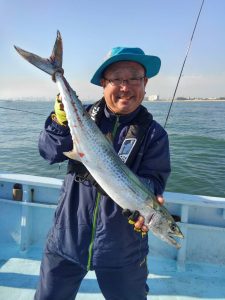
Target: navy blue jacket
{"points": [[92, 231]]}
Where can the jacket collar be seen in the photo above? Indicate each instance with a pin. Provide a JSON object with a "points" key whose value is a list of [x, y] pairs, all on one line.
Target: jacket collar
{"points": [[122, 118]]}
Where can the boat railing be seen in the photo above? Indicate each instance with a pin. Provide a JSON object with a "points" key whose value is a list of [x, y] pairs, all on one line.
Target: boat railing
{"points": [[27, 221]]}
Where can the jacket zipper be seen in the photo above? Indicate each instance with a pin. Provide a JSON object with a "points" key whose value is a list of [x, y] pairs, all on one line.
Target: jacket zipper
{"points": [[116, 125], [90, 250]]}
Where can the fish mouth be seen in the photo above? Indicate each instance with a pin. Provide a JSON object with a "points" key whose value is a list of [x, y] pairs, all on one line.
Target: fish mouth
{"points": [[172, 239], [180, 235], [177, 234]]}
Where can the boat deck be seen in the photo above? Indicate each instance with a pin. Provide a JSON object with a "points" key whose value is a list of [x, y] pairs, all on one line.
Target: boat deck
{"points": [[19, 276]]}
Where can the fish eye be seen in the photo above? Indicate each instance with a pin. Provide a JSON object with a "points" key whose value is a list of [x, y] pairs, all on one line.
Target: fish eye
{"points": [[173, 227]]}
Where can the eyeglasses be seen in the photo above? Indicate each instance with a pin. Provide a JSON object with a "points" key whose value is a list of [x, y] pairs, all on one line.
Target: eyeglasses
{"points": [[121, 82]]}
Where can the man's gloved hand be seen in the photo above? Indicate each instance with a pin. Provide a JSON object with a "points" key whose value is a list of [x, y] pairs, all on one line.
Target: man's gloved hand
{"points": [[59, 116], [137, 220]]}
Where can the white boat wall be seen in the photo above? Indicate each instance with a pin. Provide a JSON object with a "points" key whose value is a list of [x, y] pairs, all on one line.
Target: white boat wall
{"points": [[197, 270]]}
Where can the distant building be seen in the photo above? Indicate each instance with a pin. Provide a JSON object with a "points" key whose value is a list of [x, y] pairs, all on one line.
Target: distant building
{"points": [[152, 98], [183, 98]]}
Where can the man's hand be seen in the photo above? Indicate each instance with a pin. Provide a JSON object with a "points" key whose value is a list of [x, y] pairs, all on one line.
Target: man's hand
{"points": [[134, 218], [59, 116], [160, 199]]}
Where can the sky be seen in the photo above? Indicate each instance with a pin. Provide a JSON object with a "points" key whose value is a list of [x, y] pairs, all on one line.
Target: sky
{"points": [[90, 28]]}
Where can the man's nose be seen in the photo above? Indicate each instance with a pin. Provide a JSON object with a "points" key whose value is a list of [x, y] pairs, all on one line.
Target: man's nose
{"points": [[124, 86]]}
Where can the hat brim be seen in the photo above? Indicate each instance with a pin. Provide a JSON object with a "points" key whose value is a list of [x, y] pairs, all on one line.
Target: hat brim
{"points": [[150, 63]]}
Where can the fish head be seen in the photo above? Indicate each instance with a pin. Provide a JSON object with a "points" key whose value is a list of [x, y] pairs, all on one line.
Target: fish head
{"points": [[163, 226]]}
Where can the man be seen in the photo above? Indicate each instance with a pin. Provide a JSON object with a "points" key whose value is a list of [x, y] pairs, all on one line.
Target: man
{"points": [[90, 231]]}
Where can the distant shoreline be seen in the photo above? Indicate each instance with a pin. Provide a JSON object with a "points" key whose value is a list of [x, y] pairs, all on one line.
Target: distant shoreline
{"points": [[197, 100], [92, 101]]}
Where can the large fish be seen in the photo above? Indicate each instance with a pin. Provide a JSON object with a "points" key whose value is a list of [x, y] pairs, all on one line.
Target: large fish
{"points": [[95, 151]]}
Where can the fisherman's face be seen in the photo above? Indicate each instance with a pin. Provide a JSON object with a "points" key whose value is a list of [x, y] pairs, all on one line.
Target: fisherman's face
{"points": [[121, 95]]}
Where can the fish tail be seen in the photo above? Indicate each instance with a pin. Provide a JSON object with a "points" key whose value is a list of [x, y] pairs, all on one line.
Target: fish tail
{"points": [[49, 65]]}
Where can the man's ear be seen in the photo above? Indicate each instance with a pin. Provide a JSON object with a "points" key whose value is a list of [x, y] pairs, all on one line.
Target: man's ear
{"points": [[103, 83]]}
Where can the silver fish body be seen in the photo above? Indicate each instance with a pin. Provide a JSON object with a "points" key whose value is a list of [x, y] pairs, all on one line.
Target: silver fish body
{"points": [[94, 150]]}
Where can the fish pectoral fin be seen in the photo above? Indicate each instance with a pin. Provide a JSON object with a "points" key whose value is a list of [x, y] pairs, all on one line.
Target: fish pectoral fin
{"points": [[73, 155]]}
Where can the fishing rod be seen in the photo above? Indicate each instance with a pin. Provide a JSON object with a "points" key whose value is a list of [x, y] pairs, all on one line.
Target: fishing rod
{"points": [[183, 64], [21, 110]]}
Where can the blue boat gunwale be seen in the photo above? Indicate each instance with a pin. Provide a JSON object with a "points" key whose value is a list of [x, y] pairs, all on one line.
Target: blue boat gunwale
{"points": [[202, 218], [171, 197]]}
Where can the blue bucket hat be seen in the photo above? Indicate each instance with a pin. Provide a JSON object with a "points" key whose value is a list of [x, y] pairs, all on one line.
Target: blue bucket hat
{"points": [[150, 63]]}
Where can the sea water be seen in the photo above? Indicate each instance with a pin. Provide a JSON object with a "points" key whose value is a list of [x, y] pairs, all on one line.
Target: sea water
{"points": [[196, 132]]}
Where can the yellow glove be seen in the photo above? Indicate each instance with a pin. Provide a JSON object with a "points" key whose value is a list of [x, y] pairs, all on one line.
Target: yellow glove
{"points": [[59, 116], [136, 220]]}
